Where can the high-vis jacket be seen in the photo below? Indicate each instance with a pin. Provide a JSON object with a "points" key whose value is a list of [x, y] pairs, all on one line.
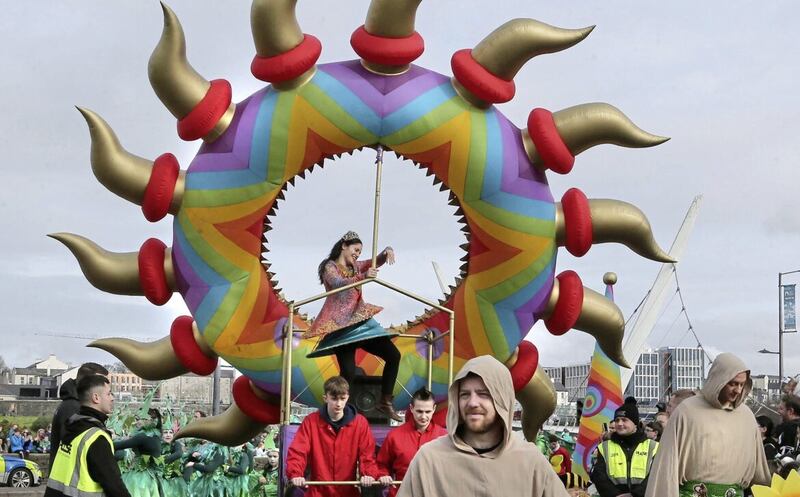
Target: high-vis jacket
{"points": [[94, 461], [70, 473], [623, 464]]}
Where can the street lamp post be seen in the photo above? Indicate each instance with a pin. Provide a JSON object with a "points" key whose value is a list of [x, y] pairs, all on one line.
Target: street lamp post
{"points": [[780, 365], [781, 331]]}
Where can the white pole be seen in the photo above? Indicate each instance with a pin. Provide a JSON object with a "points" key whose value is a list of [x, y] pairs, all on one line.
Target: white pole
{"points": [[438, 271], [654, 302]]}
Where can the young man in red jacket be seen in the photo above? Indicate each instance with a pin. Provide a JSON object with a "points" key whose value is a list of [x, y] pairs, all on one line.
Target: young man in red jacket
{"points": [[331, 444], [402, 443]]}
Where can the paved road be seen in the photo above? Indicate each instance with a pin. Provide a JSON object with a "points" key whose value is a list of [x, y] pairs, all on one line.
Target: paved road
{"points": [[22, 492]]}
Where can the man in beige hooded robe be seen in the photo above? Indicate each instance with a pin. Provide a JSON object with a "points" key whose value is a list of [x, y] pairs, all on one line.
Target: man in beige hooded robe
{"points": [[481, 457], [711, 446]]}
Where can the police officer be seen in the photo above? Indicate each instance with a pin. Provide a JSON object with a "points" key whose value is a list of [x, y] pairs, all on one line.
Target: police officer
{"points": [[84, 465], [623, 462]]}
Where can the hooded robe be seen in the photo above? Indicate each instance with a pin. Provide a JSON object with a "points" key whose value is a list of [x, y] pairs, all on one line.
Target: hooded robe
{"points": [[448, 466], [708, 443]]}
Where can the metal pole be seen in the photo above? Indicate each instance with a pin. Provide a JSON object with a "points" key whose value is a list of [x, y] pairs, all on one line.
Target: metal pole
{"points": [[286, 390], [378, 169], [430, 363], [215, 391], [452, 339], [780, 327], [344, 483]]}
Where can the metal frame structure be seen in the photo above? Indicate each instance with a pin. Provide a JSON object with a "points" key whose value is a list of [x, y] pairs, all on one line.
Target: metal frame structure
{"points": [[289, 331]]}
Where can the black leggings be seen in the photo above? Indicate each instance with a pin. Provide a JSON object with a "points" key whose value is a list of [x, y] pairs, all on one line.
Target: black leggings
{"points": [[381, 347]]}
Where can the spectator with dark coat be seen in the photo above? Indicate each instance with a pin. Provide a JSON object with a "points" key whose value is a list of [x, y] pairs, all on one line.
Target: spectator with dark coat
{"points": [[786, 432], [766, 427], [69, 404]]}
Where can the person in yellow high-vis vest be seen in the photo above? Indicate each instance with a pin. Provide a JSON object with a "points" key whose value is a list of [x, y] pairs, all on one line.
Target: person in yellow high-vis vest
{"points": [[84, 465], [623, 462]]}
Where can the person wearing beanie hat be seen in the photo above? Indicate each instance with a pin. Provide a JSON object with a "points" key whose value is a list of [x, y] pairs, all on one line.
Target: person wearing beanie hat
{"points": [[630, 411], [623, 462]]}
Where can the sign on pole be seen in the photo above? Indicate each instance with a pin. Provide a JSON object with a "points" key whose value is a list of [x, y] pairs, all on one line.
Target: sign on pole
{"points": [[789, 316]]}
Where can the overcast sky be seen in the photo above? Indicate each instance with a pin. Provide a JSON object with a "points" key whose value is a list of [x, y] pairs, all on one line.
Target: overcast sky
{"points": [[718, 77]]}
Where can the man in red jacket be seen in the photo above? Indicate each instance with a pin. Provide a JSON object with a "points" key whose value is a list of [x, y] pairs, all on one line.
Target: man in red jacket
{"points": [[402, 443], [330, 443]]}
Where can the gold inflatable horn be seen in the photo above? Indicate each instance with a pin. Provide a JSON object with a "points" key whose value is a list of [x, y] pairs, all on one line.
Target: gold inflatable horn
{"points": [[150, 360], [506, 49], [179, 87], [232, 427], [391, 18], [123, 173], [602, 319], [110, 272], [275, 27], [587, 125], [538, 400]]}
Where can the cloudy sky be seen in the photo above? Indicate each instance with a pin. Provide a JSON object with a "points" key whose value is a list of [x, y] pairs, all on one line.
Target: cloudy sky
{"points": [[718, 77]]}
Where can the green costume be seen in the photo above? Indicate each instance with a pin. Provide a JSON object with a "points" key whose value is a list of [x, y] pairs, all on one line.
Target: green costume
{"points": [[140, 476], [207, 476], [543, 442], [700, 489], [238, 473], [170, 480], [270, 489]]}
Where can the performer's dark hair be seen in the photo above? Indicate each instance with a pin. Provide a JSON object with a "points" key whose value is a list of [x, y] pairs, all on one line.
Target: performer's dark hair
{"points": [[87, 384], [335, 251], [155, 414], [422, 394], [765, 422], [792, 402], [336, 385], [90, 368]]}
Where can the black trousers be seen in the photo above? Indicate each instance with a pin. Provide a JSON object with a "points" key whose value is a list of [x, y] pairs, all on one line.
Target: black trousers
{"points": [[381, 347]]}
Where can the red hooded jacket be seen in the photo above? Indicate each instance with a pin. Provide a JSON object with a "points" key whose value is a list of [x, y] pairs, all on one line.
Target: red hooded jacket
{"points": [[332, 456], [400, 447]]}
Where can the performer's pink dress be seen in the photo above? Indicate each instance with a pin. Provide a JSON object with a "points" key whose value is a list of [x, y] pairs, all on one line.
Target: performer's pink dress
{"points": [[345, 318]]}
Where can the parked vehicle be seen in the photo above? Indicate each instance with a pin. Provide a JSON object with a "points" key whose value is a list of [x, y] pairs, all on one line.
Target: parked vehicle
{"points": [[18, 472]]}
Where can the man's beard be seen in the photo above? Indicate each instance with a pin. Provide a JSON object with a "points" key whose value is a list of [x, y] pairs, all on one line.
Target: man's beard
{"points": [[481, 427]]}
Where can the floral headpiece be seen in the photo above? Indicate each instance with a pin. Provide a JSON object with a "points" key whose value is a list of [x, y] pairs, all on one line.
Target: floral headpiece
{"points": [[350, 235]]}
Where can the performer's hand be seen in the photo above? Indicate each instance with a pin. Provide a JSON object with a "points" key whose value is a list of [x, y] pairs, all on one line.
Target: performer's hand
{"points": [[389, 251], [372, 272], [367, 481], [262, 480], [385, 480], [299, 482], [190, 464]]}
